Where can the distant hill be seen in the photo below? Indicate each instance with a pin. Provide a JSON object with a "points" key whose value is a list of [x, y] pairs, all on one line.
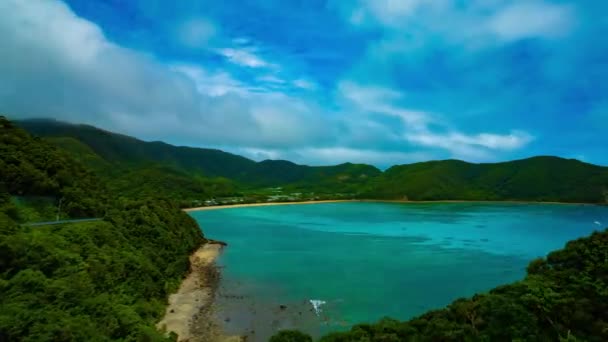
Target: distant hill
{"points": [[537, 179], [208, 172], [135, 168]]}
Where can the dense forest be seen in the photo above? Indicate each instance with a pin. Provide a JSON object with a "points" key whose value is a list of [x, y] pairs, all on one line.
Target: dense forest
{"points": [[219, 173], [535, 179], [130, 165], [87, 281], [564, 297]]}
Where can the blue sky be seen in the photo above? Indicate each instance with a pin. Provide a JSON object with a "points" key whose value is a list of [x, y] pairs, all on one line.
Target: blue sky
{"points": [[319, 82]]}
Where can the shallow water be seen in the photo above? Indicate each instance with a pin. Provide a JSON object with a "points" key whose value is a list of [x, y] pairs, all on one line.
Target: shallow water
{"points": [[370, 260]]}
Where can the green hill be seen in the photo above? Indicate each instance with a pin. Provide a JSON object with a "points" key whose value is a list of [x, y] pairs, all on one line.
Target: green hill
{"points": [[535, 179], [196, 173], [105, 280], [29, 168], [124, 152]]}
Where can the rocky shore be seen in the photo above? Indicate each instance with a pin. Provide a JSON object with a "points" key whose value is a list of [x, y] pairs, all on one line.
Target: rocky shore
{"points": [[190, 313]]}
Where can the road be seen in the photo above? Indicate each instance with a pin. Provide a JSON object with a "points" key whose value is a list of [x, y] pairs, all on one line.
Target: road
{"points": [[48, 223]]}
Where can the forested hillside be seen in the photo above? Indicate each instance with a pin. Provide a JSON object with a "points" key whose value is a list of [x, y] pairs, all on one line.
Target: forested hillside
{"points": [[564, 297], [132, 166], [535, 179], [31, 168], [125, 151], [105, 280]]}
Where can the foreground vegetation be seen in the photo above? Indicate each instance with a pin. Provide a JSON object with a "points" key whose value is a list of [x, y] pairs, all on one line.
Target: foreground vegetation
{"points": [[563, 298], [94, 281]]}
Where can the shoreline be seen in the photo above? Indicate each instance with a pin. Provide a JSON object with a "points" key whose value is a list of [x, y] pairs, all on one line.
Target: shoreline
{"points": [[268, 204], [263, 204], [189, 312]]}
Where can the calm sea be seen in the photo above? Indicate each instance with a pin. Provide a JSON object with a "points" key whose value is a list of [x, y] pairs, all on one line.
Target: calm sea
{"points": [[370, 260]]}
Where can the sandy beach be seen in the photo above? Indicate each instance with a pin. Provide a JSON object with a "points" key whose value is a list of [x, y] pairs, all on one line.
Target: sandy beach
{"points": [[266, 204], [190, 308]]}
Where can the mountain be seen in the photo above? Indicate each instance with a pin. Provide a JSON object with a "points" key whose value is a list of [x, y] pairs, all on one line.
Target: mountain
{"points": [[128, 152], [197, 173], [537, 179]]}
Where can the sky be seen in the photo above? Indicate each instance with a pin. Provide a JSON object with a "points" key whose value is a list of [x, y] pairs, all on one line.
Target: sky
{"points": [[319, 81]]}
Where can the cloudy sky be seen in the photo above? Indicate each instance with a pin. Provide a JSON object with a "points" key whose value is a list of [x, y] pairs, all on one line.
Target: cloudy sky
{"points": [[319, 81]]}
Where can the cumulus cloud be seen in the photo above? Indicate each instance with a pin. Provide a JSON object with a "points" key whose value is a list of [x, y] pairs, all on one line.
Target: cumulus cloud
{"points": [[54, 63], [244, 57], [57, 64], [430, 130]]}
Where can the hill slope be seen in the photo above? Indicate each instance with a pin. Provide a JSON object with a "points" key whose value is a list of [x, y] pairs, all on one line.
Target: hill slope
{"points": [[195, 173], [126, 152], [105, 280], [536, 179]]}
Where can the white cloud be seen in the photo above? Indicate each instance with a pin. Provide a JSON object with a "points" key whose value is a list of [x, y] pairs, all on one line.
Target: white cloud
{"points": [[213, 84], [304, 84], [476, 146], [388, 12], [470, 23], [195, 32], [56, 64], [531, 19], [336, 155], [418, 126], [243, 57], [381, 100]]}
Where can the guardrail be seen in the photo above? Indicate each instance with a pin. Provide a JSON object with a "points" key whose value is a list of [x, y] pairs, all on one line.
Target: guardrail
{"points": [[48, 223]]}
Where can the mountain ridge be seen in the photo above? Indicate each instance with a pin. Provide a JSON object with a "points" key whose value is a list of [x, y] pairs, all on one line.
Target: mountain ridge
{"points": [[537, 178]]}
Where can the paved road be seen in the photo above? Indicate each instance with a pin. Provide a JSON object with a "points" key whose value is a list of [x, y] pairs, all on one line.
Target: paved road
{"points": [[48, 223]]}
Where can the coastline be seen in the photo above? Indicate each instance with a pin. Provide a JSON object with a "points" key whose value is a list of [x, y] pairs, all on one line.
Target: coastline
{"points": [[189, 313], [264, 204], [268, 204], [202, 310]]}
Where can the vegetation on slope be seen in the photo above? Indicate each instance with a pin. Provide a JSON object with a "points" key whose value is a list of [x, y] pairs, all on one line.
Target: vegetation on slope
{"points": [[196, 174], [95, 281], [563, 298], [533, 179], [29, 167], [123, 152]]}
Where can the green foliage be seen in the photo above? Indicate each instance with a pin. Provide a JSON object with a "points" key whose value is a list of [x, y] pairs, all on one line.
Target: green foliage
{"points": [[95, 281], [290, 336], [205, 170], [563, 298], [191, 174], [157, 181], [533, 179], [29, 167]]}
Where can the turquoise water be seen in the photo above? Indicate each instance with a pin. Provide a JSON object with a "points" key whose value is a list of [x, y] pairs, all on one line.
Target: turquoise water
{"points": [[370, 260]]}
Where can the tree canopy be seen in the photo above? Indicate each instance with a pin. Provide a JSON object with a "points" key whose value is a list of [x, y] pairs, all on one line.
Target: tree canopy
{"points": [[105, 280]]}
